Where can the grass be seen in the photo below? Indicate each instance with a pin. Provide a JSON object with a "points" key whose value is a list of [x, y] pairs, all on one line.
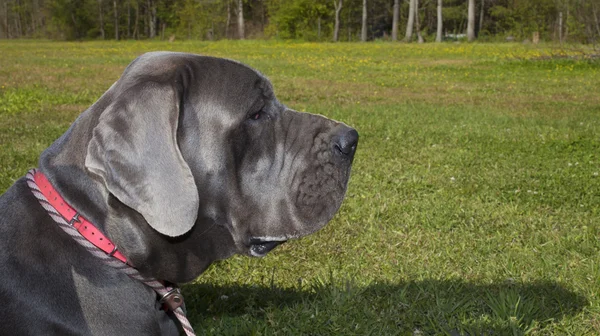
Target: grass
{"points": [[473, 206]]}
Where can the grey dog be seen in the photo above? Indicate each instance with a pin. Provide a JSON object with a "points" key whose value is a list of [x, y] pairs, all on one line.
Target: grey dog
{"points": [[185, 160]]}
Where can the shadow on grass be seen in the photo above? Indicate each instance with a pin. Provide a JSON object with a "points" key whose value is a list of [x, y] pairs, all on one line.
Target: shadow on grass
{"points": [[424, 307]]}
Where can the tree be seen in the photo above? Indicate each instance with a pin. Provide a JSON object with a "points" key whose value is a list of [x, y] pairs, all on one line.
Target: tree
{"points": [[336, 29], [417, 23], [395, 14], [151, 17], [6, 25], [136, 31], [101, 18], [596, 21], [303, 19], [481, 12], [319, 28], [116, 20], [228, 21], [363, 30], [560, 27], [311, 20], [128, 19], [438, 35], [18, 23], [471, 21], [240, 17], [411, 21]]}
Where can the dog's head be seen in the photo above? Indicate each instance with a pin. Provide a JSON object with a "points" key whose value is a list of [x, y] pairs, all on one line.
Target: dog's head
{"points": [[199, 160]]}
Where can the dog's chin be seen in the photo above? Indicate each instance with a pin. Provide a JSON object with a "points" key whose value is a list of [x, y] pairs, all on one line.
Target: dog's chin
{"points": [[260, 248]]}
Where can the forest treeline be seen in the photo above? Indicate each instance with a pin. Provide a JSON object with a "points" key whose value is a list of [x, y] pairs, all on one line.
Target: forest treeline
{"points": [[310, 20]]}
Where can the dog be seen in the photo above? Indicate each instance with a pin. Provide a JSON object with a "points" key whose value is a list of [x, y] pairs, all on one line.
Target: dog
{"points": [[185, 160]]}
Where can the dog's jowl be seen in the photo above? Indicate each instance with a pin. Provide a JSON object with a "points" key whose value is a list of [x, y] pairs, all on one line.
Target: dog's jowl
{"points": [[183, 161]]}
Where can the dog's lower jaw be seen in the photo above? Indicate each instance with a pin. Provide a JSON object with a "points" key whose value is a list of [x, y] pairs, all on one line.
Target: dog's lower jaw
{"points": [[260, 248]]}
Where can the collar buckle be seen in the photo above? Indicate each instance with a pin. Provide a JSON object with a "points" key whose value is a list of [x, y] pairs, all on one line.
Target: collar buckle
{"points": [[172, 300], [75, 219]]}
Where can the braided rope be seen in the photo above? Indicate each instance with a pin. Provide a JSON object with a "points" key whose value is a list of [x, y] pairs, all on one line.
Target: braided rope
{"points": [[156, 285]]}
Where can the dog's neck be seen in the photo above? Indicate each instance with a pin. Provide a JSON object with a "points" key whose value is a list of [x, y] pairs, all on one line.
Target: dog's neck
{"points": [[171, 259], [63, 163]]}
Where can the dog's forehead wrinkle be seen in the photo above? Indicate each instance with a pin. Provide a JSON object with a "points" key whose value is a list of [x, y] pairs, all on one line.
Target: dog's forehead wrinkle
{"points": [[265, 86], [258, 103], [280, 160]]}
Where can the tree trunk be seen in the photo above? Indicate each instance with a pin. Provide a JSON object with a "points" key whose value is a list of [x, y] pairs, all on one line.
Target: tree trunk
{"points": [[129, 19], [17, 28], [349, 27], [589, 32], [560, 28], [145, 17], [263, 16], [411, 21], [40, 15], [481, 12], [6, 25], [471, 21], [363, 30], [336, 27], [101, 19], [440, 22], [154, 19], [136, 32], [18, 22], [228, 19], [319, 28], [74, 24], [596, 21], [417, 23], [395, 20], [152, 9], [34, 10], [567, 23], [116, 20], [240, 16]]}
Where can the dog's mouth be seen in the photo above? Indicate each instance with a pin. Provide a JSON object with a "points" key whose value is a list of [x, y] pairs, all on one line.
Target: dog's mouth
{"points": [[260, 248]]}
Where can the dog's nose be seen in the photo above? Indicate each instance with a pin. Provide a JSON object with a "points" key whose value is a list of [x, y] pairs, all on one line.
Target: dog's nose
{"points": [[345, 141]]}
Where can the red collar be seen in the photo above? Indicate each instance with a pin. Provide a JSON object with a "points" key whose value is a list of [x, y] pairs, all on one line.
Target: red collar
{"points": [[85, 228]]}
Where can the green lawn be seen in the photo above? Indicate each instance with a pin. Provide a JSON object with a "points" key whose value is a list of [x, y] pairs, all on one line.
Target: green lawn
{"points": [[474, 200]]}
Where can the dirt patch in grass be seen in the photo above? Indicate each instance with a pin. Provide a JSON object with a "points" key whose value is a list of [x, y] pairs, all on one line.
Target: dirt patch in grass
{"points": [[453, 62]]}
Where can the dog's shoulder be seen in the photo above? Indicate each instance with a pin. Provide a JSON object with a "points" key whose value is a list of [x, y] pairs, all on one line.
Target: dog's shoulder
{"points": [[18, 209], [26, 229], [41, 268]]}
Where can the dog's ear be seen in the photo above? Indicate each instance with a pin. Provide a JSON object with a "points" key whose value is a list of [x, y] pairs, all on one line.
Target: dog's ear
{"points": [[134, 150]]}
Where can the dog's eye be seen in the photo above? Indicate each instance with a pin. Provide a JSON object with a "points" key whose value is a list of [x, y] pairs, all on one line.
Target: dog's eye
{"points": [[256, 115]]}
